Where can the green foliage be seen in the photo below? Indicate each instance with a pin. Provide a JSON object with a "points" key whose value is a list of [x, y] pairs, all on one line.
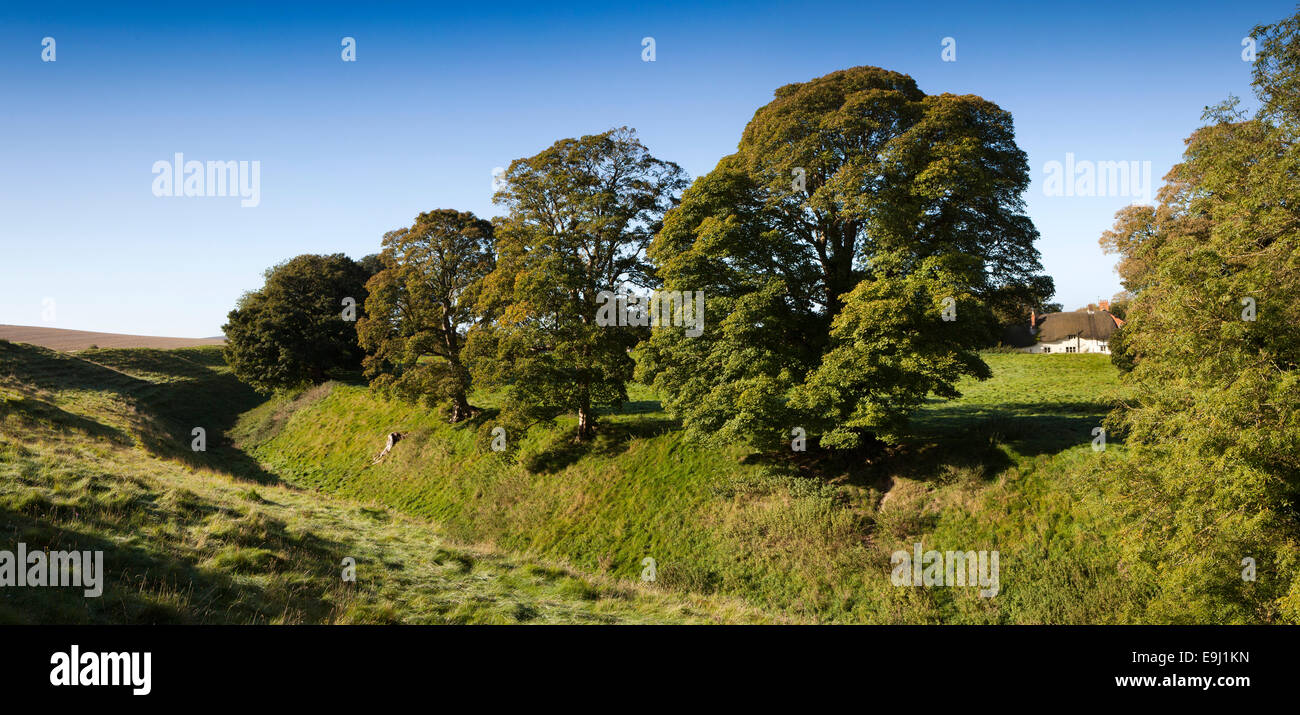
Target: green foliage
{"points": [[855, 211], [1214, 474], [890, 350], [1276, 73], [1121, 353], [421, 304], [292, 331], [580, 216]]}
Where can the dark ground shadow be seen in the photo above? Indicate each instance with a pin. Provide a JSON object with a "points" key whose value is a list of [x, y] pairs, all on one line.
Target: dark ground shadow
{"points": [[951, 438], [215, 404], [1030, 428], [194, 394], [611, 439], [141, 586], [33, 414]]}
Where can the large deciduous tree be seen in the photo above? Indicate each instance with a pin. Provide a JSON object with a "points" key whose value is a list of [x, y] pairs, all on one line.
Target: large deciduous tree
{"points": [[421, 305], [296, 330], [580, 216], [855, 216]]}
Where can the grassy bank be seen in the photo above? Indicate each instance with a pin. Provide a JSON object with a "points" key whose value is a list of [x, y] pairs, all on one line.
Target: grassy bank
{"points": [[95, 454], [1008, 467]]}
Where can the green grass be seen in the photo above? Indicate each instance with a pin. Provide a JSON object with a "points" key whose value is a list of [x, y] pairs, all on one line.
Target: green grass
{"points": [[95, 455], [1036, 404], [1005, 467]]}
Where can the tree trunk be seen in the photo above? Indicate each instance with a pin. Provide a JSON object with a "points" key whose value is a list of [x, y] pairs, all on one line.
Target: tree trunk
{"points": [[460, 408], [586, 421], [586, 418], [837, 266]]}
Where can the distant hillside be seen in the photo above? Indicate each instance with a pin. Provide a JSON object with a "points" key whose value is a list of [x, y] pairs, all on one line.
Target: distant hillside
{"points": [[69, 340]]}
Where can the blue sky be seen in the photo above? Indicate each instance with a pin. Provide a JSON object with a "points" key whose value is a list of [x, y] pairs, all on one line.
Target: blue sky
{"points": [[441, 95]]}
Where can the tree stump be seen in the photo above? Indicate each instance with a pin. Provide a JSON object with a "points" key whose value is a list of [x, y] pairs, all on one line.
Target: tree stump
{"points": [[393, 438]]}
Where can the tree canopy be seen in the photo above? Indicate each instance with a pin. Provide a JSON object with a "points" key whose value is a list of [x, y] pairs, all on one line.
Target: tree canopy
{"points": [[421, 305], [580, 215], [295, 329], [852, 253]]}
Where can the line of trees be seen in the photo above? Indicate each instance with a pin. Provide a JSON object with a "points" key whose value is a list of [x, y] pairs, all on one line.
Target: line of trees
{"points": [[854, 253]]}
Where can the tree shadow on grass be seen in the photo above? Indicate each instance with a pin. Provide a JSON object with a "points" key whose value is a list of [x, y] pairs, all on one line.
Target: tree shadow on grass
{"points": [[213, 403], [169, 364], [191, 394], [922, 461], [49, 370], [639, 407], [950, 441], [845, 466], [876, 465], [354, 378], [1029, 428], [612, 438], [481, 416], [35, 415]]}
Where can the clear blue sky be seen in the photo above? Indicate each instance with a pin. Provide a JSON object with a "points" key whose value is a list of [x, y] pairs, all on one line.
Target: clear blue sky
{"points": [[440, 95]]}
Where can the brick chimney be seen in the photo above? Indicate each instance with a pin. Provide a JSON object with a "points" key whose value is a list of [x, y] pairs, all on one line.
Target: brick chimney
{"points": [[1033, 321], [1104, 305]]}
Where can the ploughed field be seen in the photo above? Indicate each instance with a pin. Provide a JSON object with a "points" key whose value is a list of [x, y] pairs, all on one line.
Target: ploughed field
{"points": [[69, 340]]}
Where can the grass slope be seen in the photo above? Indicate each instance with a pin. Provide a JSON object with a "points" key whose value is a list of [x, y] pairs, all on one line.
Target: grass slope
{"points": [[95, 455], [1007, 467]]}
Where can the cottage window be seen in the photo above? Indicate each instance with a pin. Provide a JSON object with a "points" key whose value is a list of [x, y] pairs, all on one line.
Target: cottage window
{"points": [[1071, 349]]}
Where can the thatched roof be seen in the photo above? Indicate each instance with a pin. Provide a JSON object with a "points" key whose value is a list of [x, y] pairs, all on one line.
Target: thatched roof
{"points": [[1093, 325]]}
